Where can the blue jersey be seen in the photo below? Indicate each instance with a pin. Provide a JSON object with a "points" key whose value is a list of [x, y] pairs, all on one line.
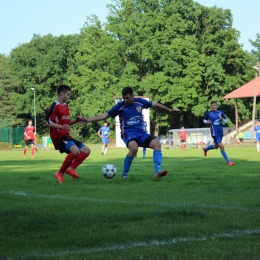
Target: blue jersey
{"points": [[145, 126], [216, 127], [257, 130], [130, 117], [104, 130]]}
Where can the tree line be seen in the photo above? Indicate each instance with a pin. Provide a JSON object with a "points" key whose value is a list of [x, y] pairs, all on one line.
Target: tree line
{"points": [[177, 52]]}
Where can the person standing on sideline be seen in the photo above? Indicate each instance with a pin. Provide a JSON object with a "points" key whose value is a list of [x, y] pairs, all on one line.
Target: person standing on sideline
{"points": [[59, 122], [132, 133], [29, 136], [257, 134], [215, 118], [104, 133], [183, 137], [145, 129], [240, 137]]}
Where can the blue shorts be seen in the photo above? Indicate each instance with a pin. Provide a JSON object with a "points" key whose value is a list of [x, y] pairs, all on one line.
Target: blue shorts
{"points": [[105, 140], [217, 138], [142, 139], [66, 143]]}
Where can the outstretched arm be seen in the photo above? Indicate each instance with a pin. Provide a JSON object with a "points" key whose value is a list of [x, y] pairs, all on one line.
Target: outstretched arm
{"points": [[96, 118], [160, 106]]}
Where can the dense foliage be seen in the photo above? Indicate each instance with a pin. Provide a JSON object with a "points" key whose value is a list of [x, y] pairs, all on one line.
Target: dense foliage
{"points": [[178, 53]]}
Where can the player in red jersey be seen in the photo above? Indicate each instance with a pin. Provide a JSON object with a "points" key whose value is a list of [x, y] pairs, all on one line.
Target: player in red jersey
{"points": [[59, 122], [183, 137], [29, 136]]}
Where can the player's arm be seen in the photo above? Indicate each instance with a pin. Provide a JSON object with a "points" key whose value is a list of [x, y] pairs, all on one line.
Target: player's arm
{"points": [[160, 106], [57, 126], [99, 133], [25, 133], [223, 118], [76, 120], [96, 118], [206, 119]]}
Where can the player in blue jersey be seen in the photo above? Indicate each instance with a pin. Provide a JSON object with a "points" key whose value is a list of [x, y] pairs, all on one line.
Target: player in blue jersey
{"points": [[132, 132], [215, 118], [104, 133], [257, 135]]}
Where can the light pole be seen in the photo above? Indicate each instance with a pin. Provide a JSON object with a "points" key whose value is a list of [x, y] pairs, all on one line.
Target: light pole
{"points": [[256, 68], [33, 89]]}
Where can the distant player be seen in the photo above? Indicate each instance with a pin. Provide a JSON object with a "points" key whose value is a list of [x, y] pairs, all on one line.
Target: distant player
{"points": [[215, 118], [132, 133], [104, 133], [59, 121], [29, 136], [257, 134], [183, 137]]}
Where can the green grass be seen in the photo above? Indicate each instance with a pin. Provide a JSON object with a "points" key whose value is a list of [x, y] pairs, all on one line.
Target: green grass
{"points": [[203, 209]]}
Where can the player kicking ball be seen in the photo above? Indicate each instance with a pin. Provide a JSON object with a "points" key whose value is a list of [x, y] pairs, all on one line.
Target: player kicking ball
{"points": [[215, 118], [132, 133]]}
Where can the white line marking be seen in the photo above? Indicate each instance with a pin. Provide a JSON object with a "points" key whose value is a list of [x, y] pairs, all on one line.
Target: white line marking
{"points": [[174, 205]]}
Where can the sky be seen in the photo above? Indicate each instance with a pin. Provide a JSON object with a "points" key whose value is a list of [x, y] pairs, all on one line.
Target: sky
{"points": [[20, 19]]}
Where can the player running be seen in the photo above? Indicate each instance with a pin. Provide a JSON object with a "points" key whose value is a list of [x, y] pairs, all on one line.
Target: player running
{"points": [[215, 118], [132, 133], [104, 133], [29, 137], [59, 122]]}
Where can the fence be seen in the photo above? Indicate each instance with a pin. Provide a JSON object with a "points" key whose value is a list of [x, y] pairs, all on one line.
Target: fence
{"points": [[11, 137]]}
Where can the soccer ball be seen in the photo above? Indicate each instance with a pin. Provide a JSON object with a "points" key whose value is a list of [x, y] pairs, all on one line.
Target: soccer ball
{"points": [[109, 171]]}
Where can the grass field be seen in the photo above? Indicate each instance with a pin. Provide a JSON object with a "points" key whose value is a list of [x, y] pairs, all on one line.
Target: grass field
{"points": [[203, 209]]}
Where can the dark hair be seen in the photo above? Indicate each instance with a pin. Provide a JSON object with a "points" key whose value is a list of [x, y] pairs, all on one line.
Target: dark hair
{"points": [[127, 90], [213, 102], [63, 88]]}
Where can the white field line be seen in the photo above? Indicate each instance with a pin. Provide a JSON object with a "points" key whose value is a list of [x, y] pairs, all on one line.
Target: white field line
{"points": [[150, 243], [174, 205]]}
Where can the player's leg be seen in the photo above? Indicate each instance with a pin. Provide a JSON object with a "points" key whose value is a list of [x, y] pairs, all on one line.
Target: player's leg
{"points": [[25, 148], [210, 147], [144, 152], [132, 150], [157, 156], [224, 154], [105, 145], [32, 149]]}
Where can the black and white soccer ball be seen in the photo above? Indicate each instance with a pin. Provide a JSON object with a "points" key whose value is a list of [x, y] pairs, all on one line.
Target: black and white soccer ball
{"points": [[109, 171]]}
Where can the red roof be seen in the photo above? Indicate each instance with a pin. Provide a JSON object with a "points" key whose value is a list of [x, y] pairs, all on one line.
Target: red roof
{"points": [[246, 90]]}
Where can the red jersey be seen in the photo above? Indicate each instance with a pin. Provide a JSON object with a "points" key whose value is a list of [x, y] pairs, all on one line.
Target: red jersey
{"points": [[29, 131], [183, 135], [58, 114]]}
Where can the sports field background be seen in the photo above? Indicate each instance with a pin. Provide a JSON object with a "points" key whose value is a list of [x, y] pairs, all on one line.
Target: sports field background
{"points": [[203, 209]]}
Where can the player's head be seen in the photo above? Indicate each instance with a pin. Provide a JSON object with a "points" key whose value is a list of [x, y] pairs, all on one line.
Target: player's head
{"points": [[182, 128], [30, 122], [105, 123], [128, 95], [214, 105], [63, 92]]}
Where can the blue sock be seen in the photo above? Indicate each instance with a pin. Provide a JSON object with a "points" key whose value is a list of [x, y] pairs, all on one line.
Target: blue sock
{"points": [[225, 155], [127, 164], [210, 147], [144, 152], [157, 160]]}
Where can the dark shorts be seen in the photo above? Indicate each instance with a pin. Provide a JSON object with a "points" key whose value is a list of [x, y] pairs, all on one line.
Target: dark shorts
{"points": [[241, 140], [28, 142], [65, 140], [142, 139], [183, 141]]}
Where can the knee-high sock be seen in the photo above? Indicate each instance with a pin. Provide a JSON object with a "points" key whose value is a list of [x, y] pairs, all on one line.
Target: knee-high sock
{"points": [[157, 160], [79, 160], [33, 151], [67, 162], [24, 151], [225, 155], [144, 152], [210, 147], [127, 163]]}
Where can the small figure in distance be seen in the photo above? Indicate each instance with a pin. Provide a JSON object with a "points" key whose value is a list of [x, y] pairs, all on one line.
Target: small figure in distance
{"points": [[59, 122], [183, 137], [132, 133], [240, 137], [215, 118], [104, 133], [257, 134], [29, 137]]}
